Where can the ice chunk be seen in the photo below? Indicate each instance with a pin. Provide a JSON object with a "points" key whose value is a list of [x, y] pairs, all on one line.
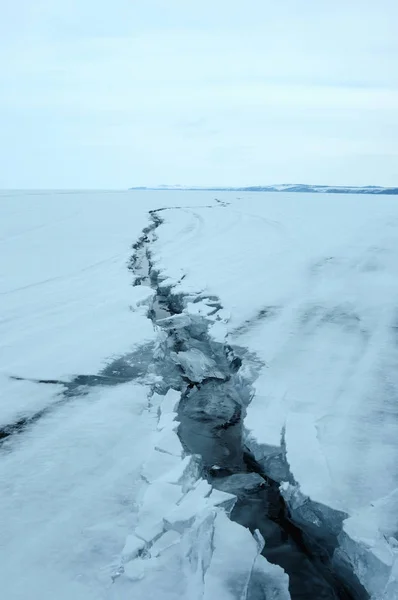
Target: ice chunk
{"points": [[167, 409], [218, 330], [199, 308], [185, 473], [234, 554], [197, 546], [160, 345], [168, 282], [308, 463], [200, 498], [149, 529], [168, 441], [169, 538], [368, 540], [268, 581], [166, 421], [143, 296], [259, 539], [209, 403], [212, 558], [320, 521], [155, 401], [391, 590], [135, 570], [190, 505], [196, 365], [170, 402], [132, 547], [222, 499], [158, 465], [175, 322], [159, 498], [241, 483], [224, 315]]}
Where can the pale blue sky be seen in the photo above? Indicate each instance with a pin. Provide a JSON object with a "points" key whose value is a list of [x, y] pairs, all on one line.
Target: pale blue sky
{"points": [[104, 94]]}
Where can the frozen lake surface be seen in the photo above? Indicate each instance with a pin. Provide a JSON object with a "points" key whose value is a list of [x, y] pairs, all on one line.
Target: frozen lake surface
{"points": [[251, 365]]}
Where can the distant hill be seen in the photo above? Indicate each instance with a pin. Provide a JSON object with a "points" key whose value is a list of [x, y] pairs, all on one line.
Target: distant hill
{"points": [[297, 187]]}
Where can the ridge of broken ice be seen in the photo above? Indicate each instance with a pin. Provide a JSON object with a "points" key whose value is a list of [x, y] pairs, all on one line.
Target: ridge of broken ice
{"points": [[310, 286], [185, 546]]}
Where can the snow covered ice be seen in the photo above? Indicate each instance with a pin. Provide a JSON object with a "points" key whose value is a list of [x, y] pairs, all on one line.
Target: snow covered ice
{"points": [[285, 342], [310, 284], [98, 499]]}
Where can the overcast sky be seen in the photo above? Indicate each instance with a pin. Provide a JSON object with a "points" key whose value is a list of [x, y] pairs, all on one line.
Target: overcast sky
{"points": [[117, 93]]}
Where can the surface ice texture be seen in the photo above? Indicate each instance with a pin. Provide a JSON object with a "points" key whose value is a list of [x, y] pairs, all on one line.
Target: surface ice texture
{"points": [[307, 284]]}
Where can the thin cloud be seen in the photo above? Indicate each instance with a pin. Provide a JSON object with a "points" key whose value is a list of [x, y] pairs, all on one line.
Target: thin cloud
{"points": [[216, 93]]}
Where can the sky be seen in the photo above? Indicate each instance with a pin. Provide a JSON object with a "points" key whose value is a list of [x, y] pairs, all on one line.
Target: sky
{"points": [[114, 94]]}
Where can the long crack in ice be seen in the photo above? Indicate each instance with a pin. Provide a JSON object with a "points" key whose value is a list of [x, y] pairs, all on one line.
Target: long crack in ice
{"points": [[215, 386]]}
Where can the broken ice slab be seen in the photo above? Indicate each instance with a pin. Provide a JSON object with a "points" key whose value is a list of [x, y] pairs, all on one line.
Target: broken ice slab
{"points": [[183, 514], [155, 401], [168, 539], [270, 458], [148, 530], [198, 548], [223, 500], [166, 421], [132, 547], [167, 284], [259, 539], [158, 464], [201, 308], [167, 406], [268, 581], [212, 558], [159, 498], [169, 495], [143, 295], [197, 366], [212, 402], [135, 570], [223, 315], [369, 542], [200, 498], [318, 518], [175, 322], [240, 483], [168, 441], [391, 590], [170, 401], [185, 473], [234, 555]]}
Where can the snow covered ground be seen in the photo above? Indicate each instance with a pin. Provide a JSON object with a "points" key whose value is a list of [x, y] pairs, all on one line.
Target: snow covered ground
{"points": [[308, 284]]}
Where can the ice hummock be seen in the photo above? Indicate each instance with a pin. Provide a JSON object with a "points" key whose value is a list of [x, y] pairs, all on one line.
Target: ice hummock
{"points": [[185, 546]]}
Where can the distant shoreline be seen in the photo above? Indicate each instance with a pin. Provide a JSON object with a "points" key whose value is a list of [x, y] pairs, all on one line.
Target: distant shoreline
{"points": [[300, 188]]}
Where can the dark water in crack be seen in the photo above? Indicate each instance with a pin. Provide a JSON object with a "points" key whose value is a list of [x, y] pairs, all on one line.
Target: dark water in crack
{"points": [[211, 415]]}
